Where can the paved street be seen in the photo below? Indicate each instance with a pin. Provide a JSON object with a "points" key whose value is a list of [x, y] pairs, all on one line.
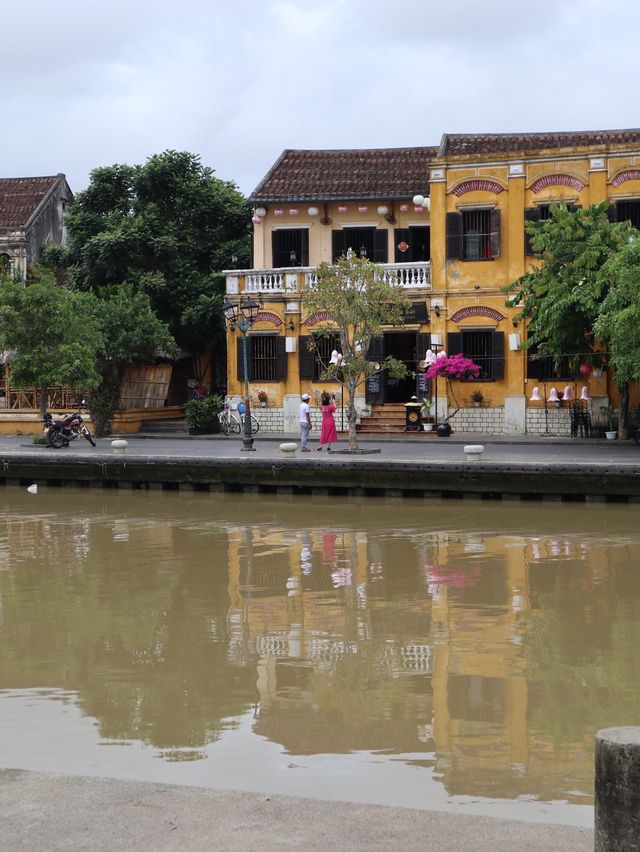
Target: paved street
{"points": [[498, 448]]}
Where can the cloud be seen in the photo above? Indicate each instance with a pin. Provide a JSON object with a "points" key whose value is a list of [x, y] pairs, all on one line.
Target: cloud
{"points": [[98, 83]]}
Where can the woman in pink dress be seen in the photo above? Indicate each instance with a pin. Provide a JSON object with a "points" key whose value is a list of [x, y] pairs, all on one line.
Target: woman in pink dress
{"points": [[328, 433]]}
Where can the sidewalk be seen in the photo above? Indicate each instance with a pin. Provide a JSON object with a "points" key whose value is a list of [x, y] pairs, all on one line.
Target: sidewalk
{"points": [[41, 811]]}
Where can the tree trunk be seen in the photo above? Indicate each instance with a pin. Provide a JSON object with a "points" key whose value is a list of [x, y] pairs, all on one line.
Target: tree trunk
{"points": [[103, 402], [352, 414], [43, 393], [623, 422]]}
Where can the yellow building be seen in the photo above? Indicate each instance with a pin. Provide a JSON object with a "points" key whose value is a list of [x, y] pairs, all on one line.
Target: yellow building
{"points": [[449, 224]]}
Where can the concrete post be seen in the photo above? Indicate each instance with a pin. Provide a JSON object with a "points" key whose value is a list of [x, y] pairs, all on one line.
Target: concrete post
{"points": [[617, 790]]}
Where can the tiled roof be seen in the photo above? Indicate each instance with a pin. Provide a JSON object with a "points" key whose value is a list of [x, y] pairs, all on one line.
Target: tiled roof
{"points": [[346, 175], [460, 144], [20, 197]]}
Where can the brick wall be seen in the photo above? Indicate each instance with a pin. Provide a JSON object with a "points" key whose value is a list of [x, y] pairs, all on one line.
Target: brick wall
{"points": [[556, 421]]}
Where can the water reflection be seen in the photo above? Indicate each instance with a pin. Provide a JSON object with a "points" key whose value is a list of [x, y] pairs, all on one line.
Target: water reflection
{"points": [[482, 645]]}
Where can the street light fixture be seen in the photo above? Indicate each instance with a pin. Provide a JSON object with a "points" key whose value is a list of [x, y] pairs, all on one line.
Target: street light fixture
{"points": [[242, 315]]}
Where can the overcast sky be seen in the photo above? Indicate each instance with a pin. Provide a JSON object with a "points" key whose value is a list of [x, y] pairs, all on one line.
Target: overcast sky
{"points": [[89, 83]]}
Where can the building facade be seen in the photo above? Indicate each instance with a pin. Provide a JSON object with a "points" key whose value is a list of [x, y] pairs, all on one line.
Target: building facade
{"points": [[448, 223], [31, 215]]}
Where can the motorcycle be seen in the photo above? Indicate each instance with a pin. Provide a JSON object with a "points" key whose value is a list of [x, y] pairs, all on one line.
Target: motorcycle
{"points": [[60, 432]]}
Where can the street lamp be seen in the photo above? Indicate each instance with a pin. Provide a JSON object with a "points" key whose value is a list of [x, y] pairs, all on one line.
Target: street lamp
{"points": [[242, 315]]}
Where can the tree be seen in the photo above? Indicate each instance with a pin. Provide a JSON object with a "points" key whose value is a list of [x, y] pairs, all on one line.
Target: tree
{"points": [[52, 333], [618, 322], [167, 227], [561, 297], [131, 334], [360, 300]]}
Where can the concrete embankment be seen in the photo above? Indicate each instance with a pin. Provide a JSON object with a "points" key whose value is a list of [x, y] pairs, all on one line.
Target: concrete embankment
{"points": [[42, 811], [366, 475]]}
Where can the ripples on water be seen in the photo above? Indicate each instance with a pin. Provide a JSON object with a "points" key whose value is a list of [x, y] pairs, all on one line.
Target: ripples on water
{"points": [[423, 653]]}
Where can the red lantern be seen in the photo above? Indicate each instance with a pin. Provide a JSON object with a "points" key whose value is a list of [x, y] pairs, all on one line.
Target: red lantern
{"points": [[585, 369]]}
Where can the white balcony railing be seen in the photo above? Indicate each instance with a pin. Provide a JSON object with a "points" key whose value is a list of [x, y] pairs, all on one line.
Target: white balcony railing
{"points": [[415, 276]]}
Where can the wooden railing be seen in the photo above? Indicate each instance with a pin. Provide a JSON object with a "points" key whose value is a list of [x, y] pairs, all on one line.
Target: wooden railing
{"points": [[28, 399]]}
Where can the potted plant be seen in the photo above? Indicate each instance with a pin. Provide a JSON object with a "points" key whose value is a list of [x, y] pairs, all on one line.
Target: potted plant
{"points": [[425, 415], [609, 412], [262, 398], [202, 414], [476, 397]]}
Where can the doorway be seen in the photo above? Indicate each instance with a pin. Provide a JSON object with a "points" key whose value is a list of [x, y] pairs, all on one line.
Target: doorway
{"points": [[402, 345]]}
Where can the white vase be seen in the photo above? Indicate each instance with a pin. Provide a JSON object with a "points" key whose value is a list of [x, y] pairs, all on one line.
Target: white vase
{"points": [[611, 436]]}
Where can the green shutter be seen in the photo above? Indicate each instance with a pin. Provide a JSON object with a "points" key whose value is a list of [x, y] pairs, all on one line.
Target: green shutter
{"points": [[531, 214], [240, 354], [454, 343], [338, 245], [497, 354], [281, 359], [381, 246], [304, 251], [495, 234], [454, 236], [306, 358]]}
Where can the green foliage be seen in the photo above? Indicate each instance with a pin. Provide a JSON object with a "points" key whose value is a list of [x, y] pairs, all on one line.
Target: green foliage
{"points": [[165, 227], [53, 333], [202, 413], [131, 334], [618, 322], [561, 298], [360, 301]]}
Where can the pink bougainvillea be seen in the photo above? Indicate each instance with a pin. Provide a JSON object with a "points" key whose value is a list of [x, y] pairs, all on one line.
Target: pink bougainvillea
{"points": [[453, 367]]}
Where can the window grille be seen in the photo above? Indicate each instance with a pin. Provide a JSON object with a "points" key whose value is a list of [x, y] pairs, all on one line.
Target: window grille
{"points": [[476, 232], [324, 346], [478, 346], [264, 362], [629, 211]]}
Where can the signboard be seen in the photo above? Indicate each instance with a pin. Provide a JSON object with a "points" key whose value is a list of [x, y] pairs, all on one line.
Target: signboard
{"points": [[424, 386], [374, 383]]}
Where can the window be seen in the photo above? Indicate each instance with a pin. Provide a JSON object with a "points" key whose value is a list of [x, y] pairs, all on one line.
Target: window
{"points": [[540, 213], [290, 247], [371, 243], [629, 211], [544, 369], [417, 240], [314, 360], [473, 235], [483, 347], [5, 265], [267, 358]]}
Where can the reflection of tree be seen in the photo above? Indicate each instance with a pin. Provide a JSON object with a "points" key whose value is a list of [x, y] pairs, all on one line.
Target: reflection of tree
{"points": [[142, 642]]}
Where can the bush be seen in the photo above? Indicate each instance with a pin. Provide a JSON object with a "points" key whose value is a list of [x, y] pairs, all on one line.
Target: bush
{"points": [[202, 413]]}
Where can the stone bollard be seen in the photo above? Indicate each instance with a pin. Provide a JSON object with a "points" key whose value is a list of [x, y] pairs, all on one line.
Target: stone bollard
{"points": [[617, 790], [288, 448], [473, 452], [119, 446]]}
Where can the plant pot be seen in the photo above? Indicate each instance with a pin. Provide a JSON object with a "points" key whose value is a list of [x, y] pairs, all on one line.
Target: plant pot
{"points": [[476, 405], [611, 436], [263, 403], [443, 430], [428, 427]]}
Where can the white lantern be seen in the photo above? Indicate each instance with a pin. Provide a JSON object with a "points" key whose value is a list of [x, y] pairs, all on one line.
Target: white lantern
{"points": [[313, 211], [383, 210], [418, 200], [261, 212]]}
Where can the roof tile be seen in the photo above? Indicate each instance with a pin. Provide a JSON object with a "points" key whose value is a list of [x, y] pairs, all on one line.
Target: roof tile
{"points": [[346, 174], [19, 198], [461, 144]]}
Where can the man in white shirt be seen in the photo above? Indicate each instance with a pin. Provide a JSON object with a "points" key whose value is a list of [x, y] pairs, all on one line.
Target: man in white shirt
{"points": [[305, 423]]}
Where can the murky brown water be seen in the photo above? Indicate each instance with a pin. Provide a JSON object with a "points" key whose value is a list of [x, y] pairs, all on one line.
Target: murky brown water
{"points": [[449, 655]]}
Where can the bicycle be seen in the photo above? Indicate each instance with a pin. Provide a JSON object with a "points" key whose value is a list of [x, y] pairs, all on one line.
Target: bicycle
{"points": [[231, 423]]}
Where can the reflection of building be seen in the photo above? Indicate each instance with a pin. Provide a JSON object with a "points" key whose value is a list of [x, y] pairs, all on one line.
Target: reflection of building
{"points": [[453, 253], [433, 648]]}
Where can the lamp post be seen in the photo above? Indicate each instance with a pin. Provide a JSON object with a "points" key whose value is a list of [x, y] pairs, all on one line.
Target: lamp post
{"points": [[242, 315]]}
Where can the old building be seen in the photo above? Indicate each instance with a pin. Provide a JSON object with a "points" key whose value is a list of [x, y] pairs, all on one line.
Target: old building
{"points": [[449, 224], [31, 215]]}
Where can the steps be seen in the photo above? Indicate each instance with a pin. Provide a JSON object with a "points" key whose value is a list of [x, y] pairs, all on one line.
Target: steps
{"points": [[385, 419], [177, 426]]}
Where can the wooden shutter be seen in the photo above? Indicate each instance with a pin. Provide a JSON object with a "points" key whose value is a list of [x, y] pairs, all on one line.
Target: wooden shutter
{"points": [[497, 354], [306, 357], [240, 356], [304, 248], [338, 245], [495, 234], [281, 359], [401, 235], [375, 385], [454, 343], [381, 245], [419, 312], [275, 249], [454, 236], [531, 214], [612, 212]]}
